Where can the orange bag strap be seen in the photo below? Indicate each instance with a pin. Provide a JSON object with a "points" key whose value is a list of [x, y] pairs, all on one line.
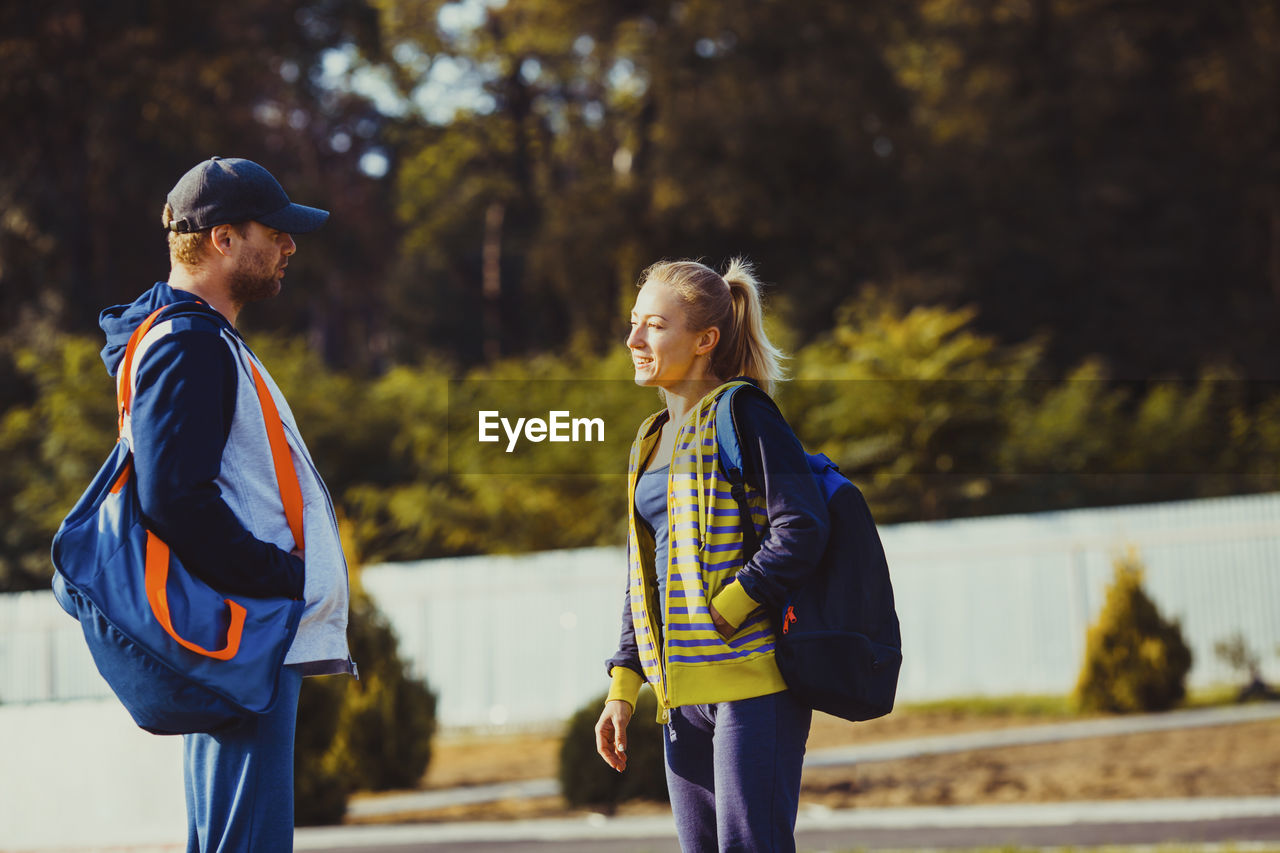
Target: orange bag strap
{"points": [[157, 559], [286, 475], [124, 384], [157, 583]]}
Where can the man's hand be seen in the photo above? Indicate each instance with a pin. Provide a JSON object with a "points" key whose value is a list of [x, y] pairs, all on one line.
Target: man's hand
{"points": [[722, 627], [611, 733]]}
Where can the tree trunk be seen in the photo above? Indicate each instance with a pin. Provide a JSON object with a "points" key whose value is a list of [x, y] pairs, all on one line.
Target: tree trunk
{"points": [[492, 274]]}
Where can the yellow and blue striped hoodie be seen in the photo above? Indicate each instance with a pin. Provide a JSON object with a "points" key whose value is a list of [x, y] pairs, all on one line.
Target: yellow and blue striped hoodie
{"points": [[693, 664]]}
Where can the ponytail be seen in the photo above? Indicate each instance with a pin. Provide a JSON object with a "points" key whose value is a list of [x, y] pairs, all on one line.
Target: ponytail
{"points": [[745, 348], [730, 303]]}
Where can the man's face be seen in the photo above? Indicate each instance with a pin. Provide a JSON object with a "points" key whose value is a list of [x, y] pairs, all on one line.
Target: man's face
{"points": [[262, 255]]}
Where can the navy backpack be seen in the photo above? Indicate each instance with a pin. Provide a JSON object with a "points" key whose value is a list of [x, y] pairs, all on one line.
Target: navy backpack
{"points": [[839, 645]]}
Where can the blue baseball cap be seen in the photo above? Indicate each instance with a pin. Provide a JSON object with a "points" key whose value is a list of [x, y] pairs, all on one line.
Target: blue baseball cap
{"points": [[225, 191]]}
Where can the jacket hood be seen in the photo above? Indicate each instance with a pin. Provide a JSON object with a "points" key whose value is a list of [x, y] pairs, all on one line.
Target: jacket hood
{"points": [[119, 321]]}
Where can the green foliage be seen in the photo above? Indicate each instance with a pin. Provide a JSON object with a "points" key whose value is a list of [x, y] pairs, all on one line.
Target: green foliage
{"points": [[320, 783], [586, 780], [915, 400], [385, 730], [125, 99], [936, 420], [1241, 657], [540, 154], [1236, 653], [1135, 659], [372, 734], [401, 453], [988, 161], [50, 446], [1028, 705], [931, 417]]}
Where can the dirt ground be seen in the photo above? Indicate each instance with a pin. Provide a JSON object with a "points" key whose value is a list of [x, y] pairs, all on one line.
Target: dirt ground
{"points": [[484, 759], [1234, 760], [1224, 761]]}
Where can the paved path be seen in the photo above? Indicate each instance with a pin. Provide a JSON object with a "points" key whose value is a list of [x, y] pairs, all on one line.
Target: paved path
{"points": [[1143, 822], [391, 804], [1245, 819]]}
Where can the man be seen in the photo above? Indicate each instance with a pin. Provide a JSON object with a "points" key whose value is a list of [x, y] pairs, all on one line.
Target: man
{"points": [[207, 484]]}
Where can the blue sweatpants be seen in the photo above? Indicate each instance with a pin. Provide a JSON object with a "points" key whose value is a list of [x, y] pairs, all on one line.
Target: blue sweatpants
{"points": [[733, 770], [239, 782]]}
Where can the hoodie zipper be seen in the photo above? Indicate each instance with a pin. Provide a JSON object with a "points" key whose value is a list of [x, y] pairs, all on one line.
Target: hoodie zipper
{"points": [[333, 521], [298, 444]]}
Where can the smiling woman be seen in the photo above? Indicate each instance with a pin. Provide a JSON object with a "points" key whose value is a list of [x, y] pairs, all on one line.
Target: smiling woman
{"points": [[663, 348], [678, 298], [695, 618]]}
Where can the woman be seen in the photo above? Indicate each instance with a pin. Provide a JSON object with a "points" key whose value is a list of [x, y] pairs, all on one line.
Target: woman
{"points": [[695, 621]]}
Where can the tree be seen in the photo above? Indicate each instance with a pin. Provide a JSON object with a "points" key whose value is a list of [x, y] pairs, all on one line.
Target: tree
{"points": [[51, 446], [1097, 169], [1236, 653], [1135, 660], [614, 135], [105, 105], [916, 400]]}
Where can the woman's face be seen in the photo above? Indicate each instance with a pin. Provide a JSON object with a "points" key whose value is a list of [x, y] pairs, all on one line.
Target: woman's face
{"points": [[664, 351]]}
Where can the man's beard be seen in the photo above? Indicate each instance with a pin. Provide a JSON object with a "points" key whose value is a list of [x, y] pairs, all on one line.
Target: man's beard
{"points": [[255, 279]]}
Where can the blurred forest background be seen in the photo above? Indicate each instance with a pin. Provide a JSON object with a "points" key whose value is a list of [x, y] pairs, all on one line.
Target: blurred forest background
{"points": [[1026, 253]]}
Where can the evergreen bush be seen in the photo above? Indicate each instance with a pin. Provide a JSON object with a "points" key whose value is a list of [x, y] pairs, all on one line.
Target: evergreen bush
{"points": [[388, 718], [1135, 659], [586, 780], [371, 734], [320, 789]]}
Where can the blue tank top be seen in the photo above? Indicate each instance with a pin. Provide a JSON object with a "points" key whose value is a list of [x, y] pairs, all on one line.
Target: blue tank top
{"points": [[651, 504]]}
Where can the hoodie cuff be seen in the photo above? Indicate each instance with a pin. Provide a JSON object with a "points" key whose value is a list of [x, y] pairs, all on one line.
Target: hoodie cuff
{"points": [[734, 604], [626, 685]]}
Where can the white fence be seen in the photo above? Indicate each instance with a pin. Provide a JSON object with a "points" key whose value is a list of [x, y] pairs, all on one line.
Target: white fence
{"points": [[988, 606]]}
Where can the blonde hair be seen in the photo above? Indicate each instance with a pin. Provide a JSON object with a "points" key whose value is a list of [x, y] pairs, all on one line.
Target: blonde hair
{"points": [[186, 248], [730, 303], [189, 248]]}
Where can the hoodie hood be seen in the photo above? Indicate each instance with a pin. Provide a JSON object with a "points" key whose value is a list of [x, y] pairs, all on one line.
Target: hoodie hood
{"points": [[119, 321]]}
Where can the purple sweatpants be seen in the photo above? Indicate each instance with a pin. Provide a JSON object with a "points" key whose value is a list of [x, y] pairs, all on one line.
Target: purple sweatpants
{"points": [[733, 770]]}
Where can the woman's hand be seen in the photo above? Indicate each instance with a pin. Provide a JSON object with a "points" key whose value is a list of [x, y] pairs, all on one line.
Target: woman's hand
{"points": [[611, 733], [722, 626]]}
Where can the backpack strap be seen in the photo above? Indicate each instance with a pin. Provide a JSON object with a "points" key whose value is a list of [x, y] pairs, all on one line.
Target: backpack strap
{"points": [[730, 452]]}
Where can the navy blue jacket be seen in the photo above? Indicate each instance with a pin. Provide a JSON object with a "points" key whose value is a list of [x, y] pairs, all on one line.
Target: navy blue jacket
{"points": [[182, 413]]}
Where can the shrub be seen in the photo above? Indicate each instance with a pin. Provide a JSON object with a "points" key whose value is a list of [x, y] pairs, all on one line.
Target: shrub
{"points": [[388, 718], [1135, 660], [320, 788], [371, 734], [1236, 653], [585, 779]]}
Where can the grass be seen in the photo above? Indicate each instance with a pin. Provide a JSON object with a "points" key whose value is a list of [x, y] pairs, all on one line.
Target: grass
{"points": [[1050, 706], [1212, 697], [995, 706]]}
